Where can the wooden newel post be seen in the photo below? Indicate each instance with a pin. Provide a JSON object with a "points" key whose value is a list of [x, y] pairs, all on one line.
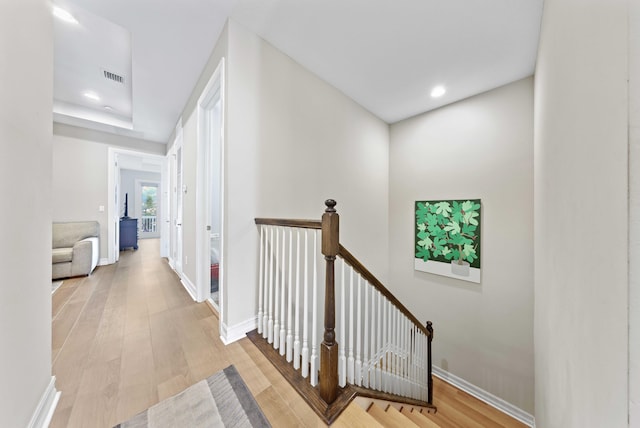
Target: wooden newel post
{"points": [[329, 347], [430, 376]]}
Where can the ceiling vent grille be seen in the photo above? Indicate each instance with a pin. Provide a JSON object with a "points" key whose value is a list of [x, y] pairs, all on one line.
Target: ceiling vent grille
{"points": [[113, 77]]}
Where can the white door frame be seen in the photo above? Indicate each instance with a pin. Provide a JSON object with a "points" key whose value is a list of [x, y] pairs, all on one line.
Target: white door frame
{"points": [[176, 201], [212, 93], [113, 205]]}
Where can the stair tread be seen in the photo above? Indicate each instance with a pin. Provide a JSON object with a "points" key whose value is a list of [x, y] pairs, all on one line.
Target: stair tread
{"points": [[418, 418], [355, 416], [390, 419], [441, 419]]}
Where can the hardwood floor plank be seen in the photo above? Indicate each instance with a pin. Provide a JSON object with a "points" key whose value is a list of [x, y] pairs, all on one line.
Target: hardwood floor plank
{"points": [[276, 410], [63, 294]]}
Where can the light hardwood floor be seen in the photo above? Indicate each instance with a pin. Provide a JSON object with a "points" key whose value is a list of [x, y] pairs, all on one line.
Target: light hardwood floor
{"points": [[129, 336]]}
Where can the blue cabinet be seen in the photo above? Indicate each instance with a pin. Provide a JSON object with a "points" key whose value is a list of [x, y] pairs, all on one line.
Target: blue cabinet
{"points": [[128, 233]]}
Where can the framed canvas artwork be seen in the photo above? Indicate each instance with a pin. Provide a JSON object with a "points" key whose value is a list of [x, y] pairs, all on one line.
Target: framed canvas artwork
{"points": [[447, 238]]}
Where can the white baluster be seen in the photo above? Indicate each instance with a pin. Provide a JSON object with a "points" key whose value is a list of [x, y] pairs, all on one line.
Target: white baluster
{"points": [[385, 373], [405, 353], [283, 287], [372, 360], [396, 366], [261, 280], [424, 365], [342, 361], [350, 360], [422, 372], [290, 305], [365, 363], [383, 344], [412, 352], [271, 277], [358, 371], [418, 383], [314, 331], [408, 354], [392, 354], [265, 320], [396, 353], [276, 303], [380, 348], [305, 328], [416, 373], [296, 339]]}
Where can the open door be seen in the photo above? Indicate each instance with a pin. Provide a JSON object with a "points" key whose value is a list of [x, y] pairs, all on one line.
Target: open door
{"points": [[176, 193], [210, 191]]}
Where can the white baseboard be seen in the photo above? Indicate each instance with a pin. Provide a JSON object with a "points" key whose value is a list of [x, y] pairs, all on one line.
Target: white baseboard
{"points": [[188, 285], [103, 262], [47, 405], [487, 397], [231, 334]]}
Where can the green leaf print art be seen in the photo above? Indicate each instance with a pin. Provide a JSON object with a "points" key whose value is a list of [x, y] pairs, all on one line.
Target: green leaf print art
{"points": [[447, 238]]}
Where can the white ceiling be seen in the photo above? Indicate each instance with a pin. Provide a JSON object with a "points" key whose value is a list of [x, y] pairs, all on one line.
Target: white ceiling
{"points": [[384, 54]]}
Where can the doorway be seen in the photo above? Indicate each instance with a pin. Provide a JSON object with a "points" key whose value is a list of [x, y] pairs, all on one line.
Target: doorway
{"points": [[127, 166], [210, 191], [147, 206]]}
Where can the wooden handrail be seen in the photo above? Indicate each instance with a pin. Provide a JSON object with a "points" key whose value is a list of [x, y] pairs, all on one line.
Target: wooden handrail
{"points": [[304, 224], [367, 275]]}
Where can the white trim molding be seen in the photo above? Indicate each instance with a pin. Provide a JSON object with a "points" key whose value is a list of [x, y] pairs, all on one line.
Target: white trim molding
{"points": [[482, 395], [46, 406], [231, 334], [103, 261], [188, 285]]}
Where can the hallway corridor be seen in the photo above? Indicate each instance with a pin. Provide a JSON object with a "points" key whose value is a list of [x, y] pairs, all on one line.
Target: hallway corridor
{"points": [[129, 336]]}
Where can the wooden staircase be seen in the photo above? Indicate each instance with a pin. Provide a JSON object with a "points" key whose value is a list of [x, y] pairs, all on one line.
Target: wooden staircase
{"points": [[358, 340], [387, 416], [455, 409]]}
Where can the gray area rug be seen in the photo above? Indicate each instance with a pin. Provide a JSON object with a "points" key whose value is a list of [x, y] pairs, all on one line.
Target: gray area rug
{"points": [[222, 400]]}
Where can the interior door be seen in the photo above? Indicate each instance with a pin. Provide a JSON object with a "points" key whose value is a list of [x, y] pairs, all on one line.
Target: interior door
{"points": [[178, 213]]}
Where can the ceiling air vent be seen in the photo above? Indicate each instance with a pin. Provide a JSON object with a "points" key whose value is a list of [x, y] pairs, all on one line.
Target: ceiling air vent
{"points": [[113, 77]]}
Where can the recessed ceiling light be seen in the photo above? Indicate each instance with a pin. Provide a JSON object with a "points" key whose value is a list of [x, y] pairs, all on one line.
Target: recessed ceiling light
{"points": [[438, 91], [92, 96], [64, 15]]}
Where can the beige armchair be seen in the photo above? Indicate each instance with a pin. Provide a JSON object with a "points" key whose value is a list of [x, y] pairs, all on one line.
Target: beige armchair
{"points": [[76, 248]]}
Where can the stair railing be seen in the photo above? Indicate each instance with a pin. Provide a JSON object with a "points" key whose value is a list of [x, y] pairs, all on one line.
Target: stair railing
{"points": [[382, 346]]}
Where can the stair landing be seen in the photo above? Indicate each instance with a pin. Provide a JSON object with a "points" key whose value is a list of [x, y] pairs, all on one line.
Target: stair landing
{"points": [[456, 409]]}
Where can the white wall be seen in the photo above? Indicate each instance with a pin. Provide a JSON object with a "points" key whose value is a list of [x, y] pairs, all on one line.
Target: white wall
{"points": [[80, 173], [294, 141], [634, 214], [581, 220], [26, 93], [291, 141], [481, 147]]}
